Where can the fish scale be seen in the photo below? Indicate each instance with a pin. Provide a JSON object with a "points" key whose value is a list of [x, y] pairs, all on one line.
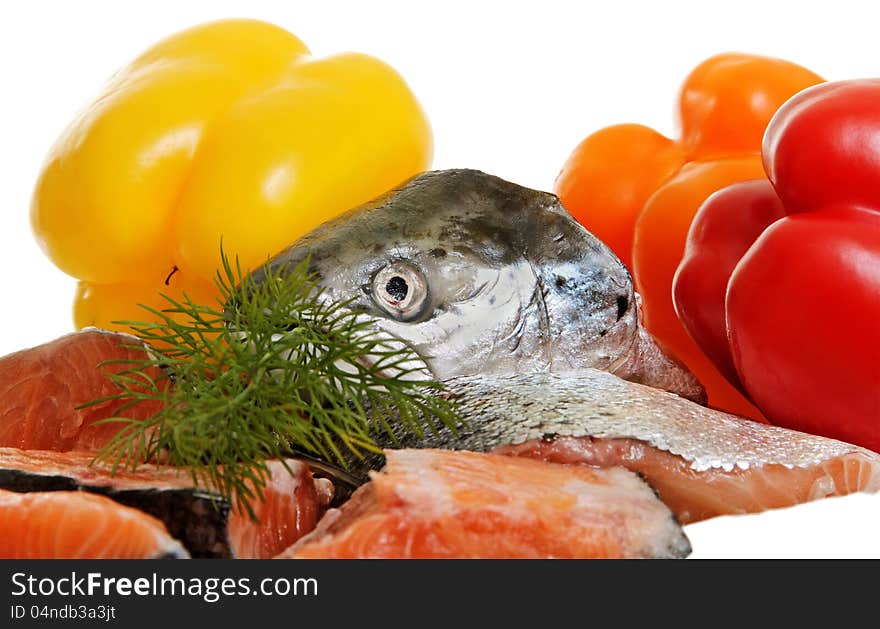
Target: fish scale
{"points": [[511, 409]]}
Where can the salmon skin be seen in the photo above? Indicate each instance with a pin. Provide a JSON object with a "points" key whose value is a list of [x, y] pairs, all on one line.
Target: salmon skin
{"points": [[201, 519], [702, 462], [444, 504], [78, 525]]}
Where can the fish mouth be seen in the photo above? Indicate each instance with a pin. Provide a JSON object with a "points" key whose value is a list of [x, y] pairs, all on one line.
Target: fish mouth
{"points": [[644, 360], [626, 352]]}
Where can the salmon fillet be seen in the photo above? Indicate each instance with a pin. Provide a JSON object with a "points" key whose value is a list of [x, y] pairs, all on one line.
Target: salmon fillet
{"points": [[695, 494], [202, 520], [444, 504], [703, 462], [41, 387], [78, 525]]}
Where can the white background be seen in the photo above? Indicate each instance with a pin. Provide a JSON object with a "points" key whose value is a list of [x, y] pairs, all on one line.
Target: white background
{"points": [[510, 88]]}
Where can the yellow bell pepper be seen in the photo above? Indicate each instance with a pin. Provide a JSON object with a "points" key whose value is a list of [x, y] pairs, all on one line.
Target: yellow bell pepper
{"points": [[227, 130]]}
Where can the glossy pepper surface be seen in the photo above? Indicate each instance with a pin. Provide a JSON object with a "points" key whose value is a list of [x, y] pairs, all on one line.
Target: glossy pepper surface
{"points": [[639, 191], [803, 304], [722, 231], [230, 130]]}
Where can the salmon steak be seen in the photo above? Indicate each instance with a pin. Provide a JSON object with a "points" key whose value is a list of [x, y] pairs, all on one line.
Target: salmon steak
{"points": [[79, 525], [205, 523], [42, 388], [443, 504]]}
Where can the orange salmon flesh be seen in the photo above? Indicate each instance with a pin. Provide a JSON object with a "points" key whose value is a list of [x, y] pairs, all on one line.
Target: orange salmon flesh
{"points": [[208, 527], [445, 504], [79, 525]]}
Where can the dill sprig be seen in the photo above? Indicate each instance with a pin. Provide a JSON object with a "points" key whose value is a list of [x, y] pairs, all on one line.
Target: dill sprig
{"points": [[272, 368]]}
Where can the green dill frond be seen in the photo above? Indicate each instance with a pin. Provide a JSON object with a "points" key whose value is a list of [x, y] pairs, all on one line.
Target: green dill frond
{"points": [[271, 367]]}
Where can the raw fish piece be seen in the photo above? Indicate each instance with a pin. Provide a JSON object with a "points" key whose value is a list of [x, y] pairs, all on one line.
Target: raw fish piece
{"points": [[79, 525], [202, 520], [444, 504], [41, 387]]}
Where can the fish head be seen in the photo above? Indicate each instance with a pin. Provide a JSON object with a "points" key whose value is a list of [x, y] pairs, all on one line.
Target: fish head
{"points": [[477, 275]]}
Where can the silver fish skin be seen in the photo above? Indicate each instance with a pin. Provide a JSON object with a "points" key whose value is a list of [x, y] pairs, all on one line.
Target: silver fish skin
{"points": [[482, 276], [702, 463], [505, 410]]}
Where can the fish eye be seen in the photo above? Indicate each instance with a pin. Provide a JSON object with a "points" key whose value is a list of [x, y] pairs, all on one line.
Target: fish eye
{"points": [[400, 290]]}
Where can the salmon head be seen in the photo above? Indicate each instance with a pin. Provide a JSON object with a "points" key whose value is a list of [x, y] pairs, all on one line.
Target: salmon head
{"points": [[482, 276]]}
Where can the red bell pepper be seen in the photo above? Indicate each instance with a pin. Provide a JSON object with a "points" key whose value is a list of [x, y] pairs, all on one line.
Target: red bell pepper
{"points": [[802, 305], [723, 229]]}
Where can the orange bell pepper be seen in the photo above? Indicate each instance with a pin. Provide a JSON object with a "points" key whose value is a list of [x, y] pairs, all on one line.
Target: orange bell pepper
{"points": [[638, 190]]}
